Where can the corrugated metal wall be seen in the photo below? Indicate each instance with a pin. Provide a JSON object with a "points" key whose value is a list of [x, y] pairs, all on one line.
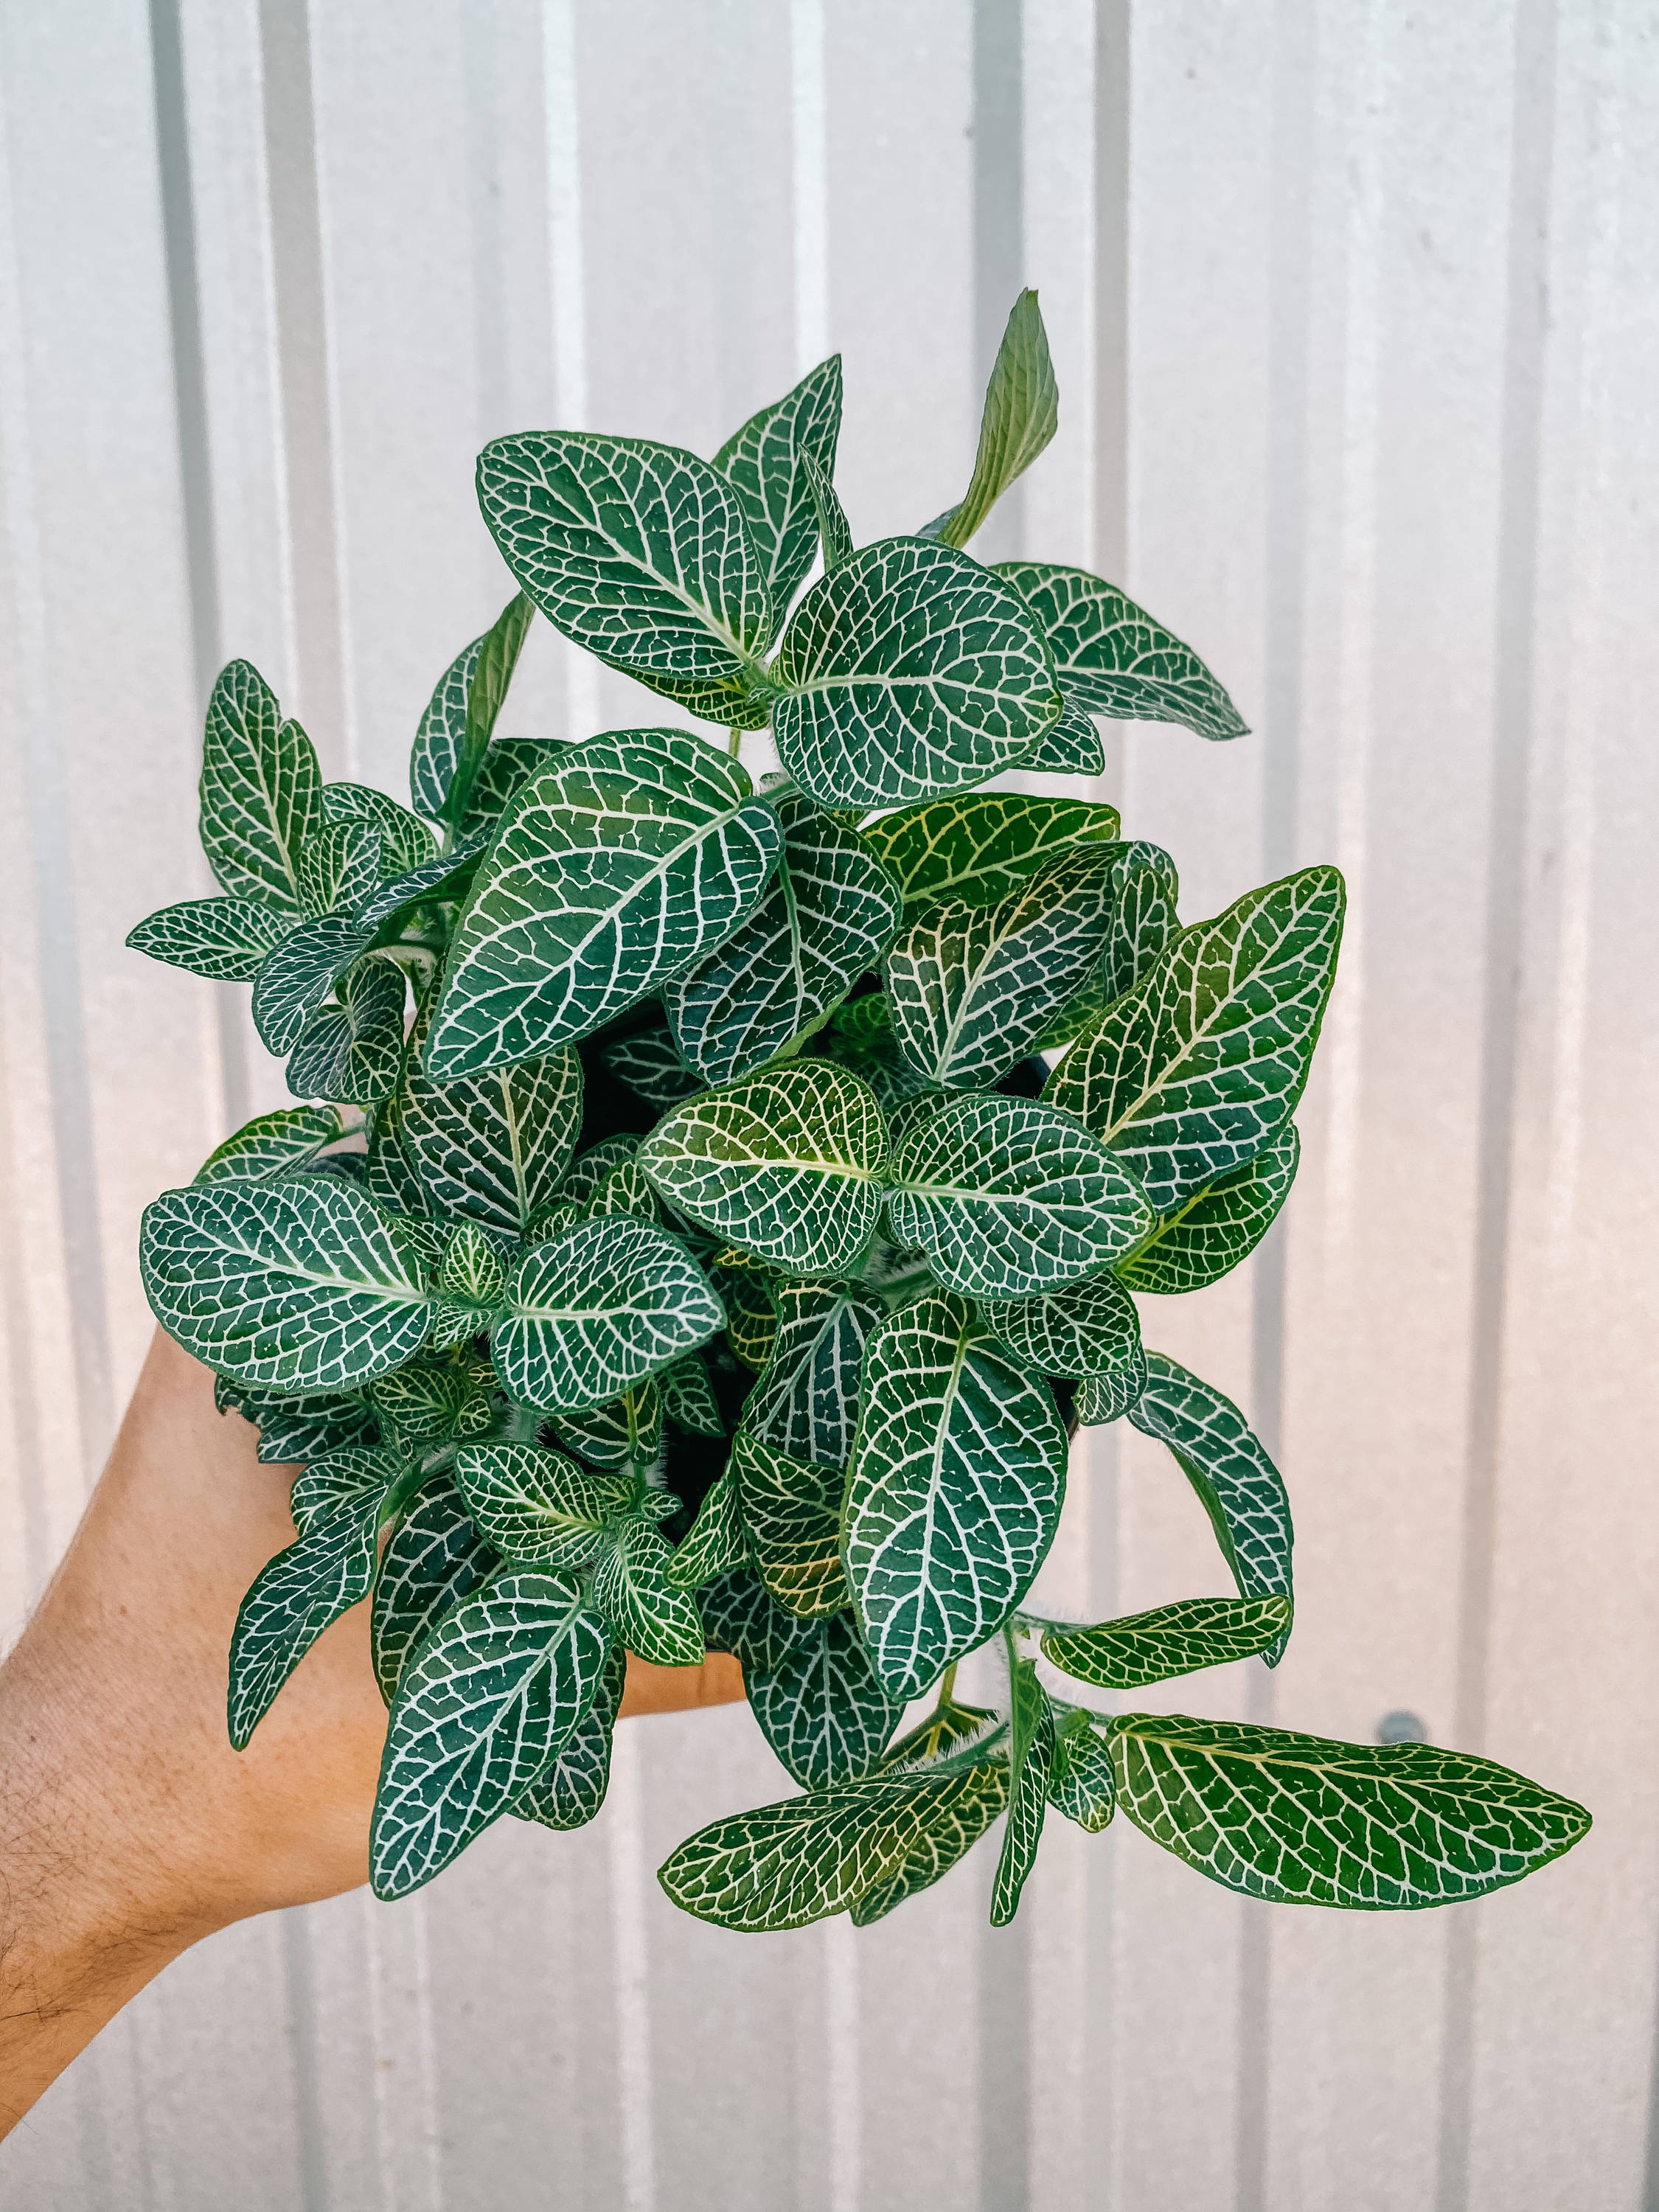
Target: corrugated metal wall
{"points": [[1354, 310]]}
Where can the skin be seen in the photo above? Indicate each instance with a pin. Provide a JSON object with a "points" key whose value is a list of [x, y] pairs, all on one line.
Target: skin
{"points": [[129, 1828]]}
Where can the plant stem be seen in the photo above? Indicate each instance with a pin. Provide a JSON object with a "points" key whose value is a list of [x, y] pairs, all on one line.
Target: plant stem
{"points": [[734, 742]]}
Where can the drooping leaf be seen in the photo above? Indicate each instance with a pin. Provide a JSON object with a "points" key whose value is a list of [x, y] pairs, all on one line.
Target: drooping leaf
{"points": [[1239, 1486], [781, 1866], [339, 867], [1306, 1821], [835, 533], [351, 1051], [1202, 1063], [226, 939], [791, 1514], [1221, 1224], [304, 1285], [751, 1315], [983, 845], [433, 1558], [1081, 1782], [1089, 1327], [406, 842], [714, 1543], [1008, 1198], [537, 1505], [499, 1686], [614, 869], [786, 1164], [954, 1491], [340, 1482], [296, 1430], [805, 1405], [768, 463], [261, 791], [271, 1144], [974, 988], [1171, 1639], [1022, 412], [821, 1705], [493, 1148], [297, 976], [636, 550], [1113, 658], [625, 1432], [828, 914], [655, 1619], [949, 1835], [688, 1397], [1070, 746], [1031, 1768], [569, 1790], [293, 1599], [649, 1063], [595, 1310], [910, 671]]}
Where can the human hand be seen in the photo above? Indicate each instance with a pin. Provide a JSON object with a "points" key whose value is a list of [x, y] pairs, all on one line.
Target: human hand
{"points": [[129, 1827]]}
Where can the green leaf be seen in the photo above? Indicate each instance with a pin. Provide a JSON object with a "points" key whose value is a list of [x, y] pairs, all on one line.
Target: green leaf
{"points": [[486, 691], [614, 870], [740, 1616], [433, 1558], [954, 1492], [272, 1145], [433, 1401], [340, 1482], [1081, 1783], [1221, 1224], [495, 1690], [296, 975], [829, 914], [1022, 413], [537, 1505], [1089, 1327], [805, 1405], [505, 769], [625, 1432], [474, 1267], [588, 1170], [352, 1052], [441, 735], [949, 1726], [1113, 658], [625, 1190], [751, 1315], [570, 1792], [649, 1061], [1202, 1064], [791, 1513], [768, 463], [226, 939], [293, 1599], [1031, 1768], [820, 1703], [714, 1543], [949, 1835], [1070, 746], [1099, 1399], [303, 1286], [910, 671], [782, 1866], [493, 1148], [631, 1588], [296, 1430], [1171, 1639], [973, 988], [595, 1310], [1239, 1486], [1008, 1198], [688, 1397], [1304, 1821], [434, 882], [636, 550], [261, 791], [339, 867], [1141, 900], [834, 535], [406, 842], [391, 1174], [786, 1164], [983, 845]]}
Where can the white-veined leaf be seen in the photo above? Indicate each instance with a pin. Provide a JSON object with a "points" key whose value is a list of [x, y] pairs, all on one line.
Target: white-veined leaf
{"points": [[1113, 658], [296, 975], [714, 1543], [588, 1170], [1141, 898], [486, 692], [949, 1835], [625, 1432], [688, 1397], [1182, 1638], [1239, 1486], [436, 1401], [352, 1052], [304, 1285], [569, 1790], [835, 532], [339, 867], [1081, 1782], [636, 550], [493, 1148], [537, 1506], [340, 1480], [226, 939], [1202, 1063], [911, 672], [271, 1144], [1221, 1224], [1022, 412], [819, 1703], [1070, 746], [474, 1267], [445, 879], [406, 841], [828, 914], [1089, 1327], [292, 1600], [498, 1686], [1008, 1198], [973, 988], [791, 1515], [954, 1492], [625, 1190], [766, 464], [433, 1558], [614, 870], [1305, 1821], [649, 1061], [655, 1619], [261, 791], [983, 844], [442, 734], [740, 1616], [805, 1404], [786, 1164], [595, 1310], [293, 1432], [389, 1173], [1031, 1768]]}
